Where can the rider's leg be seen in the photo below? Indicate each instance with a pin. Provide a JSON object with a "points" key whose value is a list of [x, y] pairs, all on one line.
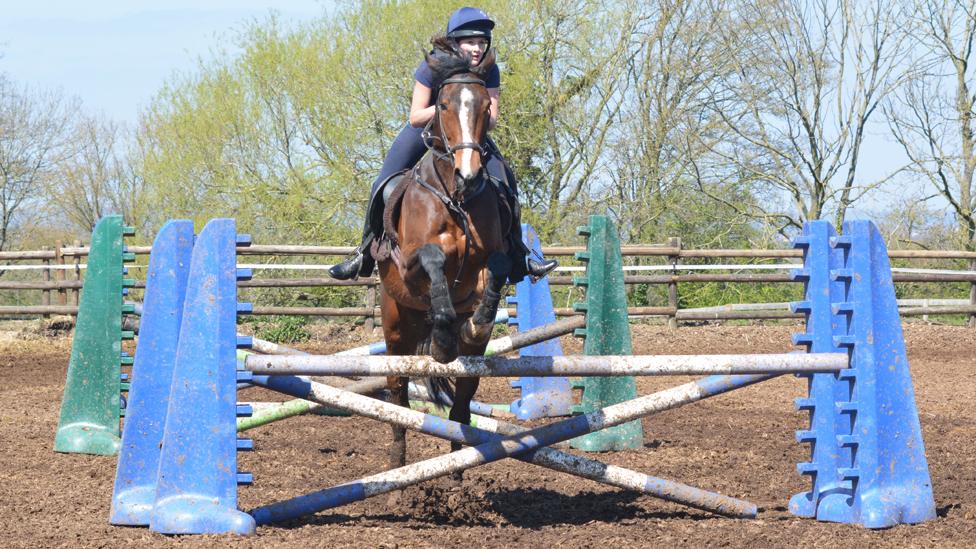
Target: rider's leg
{"points": [[407, 149], [522, 264]]}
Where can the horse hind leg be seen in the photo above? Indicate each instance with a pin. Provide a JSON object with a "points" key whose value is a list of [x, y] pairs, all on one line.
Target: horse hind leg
{"points": [[464, 390], [403, 328], [444, 345], [399, 395]]}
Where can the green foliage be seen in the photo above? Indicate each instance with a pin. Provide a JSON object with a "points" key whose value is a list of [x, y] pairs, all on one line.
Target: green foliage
{"points": [[285, 329], [288, 136]]}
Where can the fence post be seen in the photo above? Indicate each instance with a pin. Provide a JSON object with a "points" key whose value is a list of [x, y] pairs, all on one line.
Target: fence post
{"points": [[46, 296], [674, 242], [59, 275], [972, 294], [371, 305], [76, 292]]}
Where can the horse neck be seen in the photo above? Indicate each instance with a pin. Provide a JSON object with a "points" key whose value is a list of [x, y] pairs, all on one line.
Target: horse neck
{"points": [[444, 175]]}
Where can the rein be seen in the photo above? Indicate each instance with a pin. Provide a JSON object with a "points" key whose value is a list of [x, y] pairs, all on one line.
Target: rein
{"points": [[454, 204]]}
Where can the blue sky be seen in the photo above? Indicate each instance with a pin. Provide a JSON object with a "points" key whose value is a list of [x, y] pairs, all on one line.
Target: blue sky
{"points": [[115, 54]]}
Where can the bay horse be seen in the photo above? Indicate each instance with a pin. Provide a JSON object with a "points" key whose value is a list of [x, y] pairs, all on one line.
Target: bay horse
{"points": [[441, 291]]}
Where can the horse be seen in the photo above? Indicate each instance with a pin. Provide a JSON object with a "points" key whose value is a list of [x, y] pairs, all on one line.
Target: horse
{"points": [[441, 291]]}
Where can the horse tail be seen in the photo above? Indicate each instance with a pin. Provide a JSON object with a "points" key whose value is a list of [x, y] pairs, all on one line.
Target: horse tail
{"points": [[440, 390]]}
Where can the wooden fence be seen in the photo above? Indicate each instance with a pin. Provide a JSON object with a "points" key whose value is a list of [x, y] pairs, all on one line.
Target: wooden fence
{"points": [[61, 280]]}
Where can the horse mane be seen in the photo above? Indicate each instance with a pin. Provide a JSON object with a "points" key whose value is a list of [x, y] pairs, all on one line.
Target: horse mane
{"points": [[446, 60]]}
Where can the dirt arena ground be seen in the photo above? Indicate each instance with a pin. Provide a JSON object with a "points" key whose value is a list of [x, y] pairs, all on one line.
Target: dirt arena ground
{"points": [[740, 444]]}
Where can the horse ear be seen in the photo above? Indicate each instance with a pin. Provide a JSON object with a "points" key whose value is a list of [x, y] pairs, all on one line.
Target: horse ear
{"points": [[432, 60], [446, 45], [486, 64], [436, 60], [444, 50]]}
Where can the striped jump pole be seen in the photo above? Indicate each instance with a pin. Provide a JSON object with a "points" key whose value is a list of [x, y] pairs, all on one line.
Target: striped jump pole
{"points": [[269, 412], [301, 406], [532, 336], [270, 348], [539, 366], [493, 446], [522, 445], [495, 347]]}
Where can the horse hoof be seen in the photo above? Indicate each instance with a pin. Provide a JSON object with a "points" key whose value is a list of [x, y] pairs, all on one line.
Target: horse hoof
{"points": [[444, 356], [475, 334], [444, 347]]}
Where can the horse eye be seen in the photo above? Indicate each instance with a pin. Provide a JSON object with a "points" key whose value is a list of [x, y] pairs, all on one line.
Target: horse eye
{"points": [[442, 106]]}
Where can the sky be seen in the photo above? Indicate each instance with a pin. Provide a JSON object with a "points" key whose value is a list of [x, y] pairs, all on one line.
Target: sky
{"points": [[114, 54]]}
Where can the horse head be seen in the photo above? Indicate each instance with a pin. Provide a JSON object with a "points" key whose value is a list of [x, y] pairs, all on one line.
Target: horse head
{"points": [[459, 129]]}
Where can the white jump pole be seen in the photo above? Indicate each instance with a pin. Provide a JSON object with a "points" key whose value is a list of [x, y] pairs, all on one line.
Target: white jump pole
{"points": [[509, 446], [540, 366], [490, 429]]}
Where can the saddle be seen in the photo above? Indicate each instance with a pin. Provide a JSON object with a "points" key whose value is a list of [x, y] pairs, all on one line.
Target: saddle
{"points": [[384, 215], [383, 195]]}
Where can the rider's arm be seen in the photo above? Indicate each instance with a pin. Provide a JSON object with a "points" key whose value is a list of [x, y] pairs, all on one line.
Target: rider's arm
{"points": [[421, 111], [493, 93]]}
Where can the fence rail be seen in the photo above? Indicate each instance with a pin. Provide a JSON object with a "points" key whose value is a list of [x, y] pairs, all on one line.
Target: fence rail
{"points": [[61, 280]]}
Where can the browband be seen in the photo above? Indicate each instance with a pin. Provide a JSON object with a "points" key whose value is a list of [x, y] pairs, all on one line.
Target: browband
{"points": [[462, 80]]}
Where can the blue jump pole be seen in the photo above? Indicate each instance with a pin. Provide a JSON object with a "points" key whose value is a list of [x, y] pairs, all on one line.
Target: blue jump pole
{"points": [[523, 445], [489, 430]]}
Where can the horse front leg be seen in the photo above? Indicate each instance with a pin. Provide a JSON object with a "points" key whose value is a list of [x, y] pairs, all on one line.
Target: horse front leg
{"points": [[444, 344], [477, 330]]}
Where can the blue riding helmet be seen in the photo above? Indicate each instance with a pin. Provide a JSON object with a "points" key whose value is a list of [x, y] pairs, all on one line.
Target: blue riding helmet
{"points": [[468, 22]]}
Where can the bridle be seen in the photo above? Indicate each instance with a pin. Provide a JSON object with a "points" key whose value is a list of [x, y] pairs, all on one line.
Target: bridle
{"points": [[449, 149], [453, 203]]}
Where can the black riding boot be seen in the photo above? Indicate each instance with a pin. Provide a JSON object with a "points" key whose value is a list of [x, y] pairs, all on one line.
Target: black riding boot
{"points": [[518, 252], [361, 263], [522, 264], [506, 183]]}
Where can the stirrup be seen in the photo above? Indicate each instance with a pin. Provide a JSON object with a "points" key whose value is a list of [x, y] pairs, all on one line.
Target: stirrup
{"points": [[537, 270]]}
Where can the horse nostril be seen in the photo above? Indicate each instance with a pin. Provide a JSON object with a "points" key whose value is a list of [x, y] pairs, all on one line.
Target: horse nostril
{"points": [[460, 178]]}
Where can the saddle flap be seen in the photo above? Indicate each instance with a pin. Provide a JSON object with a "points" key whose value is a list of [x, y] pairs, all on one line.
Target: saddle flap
{"points": [[380, 199], [384, 216]]}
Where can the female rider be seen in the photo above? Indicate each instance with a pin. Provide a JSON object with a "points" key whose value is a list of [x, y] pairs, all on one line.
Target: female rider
{"points": [[471, 29]]}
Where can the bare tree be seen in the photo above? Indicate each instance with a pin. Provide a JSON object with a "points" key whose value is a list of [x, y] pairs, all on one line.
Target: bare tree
{"points": [[678, 60], [32, 141], [577, 53], [92, 178], [809, 76], [932, 114]]}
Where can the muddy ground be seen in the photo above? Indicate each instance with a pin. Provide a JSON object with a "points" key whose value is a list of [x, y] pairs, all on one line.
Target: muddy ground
{"points": [[740, 444]]}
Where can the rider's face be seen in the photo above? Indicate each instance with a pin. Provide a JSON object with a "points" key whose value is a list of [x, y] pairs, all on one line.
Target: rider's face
{"points": [[474, 46]]}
